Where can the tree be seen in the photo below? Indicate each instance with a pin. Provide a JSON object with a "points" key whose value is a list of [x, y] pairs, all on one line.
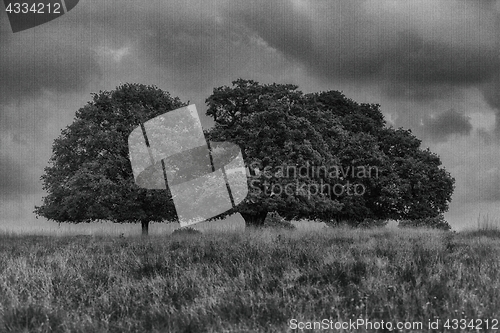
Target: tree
{"points": [[274, 129], [90, 176], [335, 158], [410, 183], [424, 189]]}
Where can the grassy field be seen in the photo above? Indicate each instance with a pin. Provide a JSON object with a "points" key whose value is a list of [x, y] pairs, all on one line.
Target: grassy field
{"points": [[250, 281]]}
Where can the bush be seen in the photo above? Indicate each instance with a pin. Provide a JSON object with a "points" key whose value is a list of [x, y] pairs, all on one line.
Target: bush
{"points": [[370, 223], [186, 231], [437, 222], [366, 223], [274, 220]]}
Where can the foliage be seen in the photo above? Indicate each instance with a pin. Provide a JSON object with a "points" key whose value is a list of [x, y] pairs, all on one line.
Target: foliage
{"points": [[380, 173], [274, 220], [90, 176], [186, 231], [436, 222], [419, 187], [273, 127], [370, 223]]}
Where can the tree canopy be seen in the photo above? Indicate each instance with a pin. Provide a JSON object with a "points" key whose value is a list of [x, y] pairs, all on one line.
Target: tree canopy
{"points": [[89, 176], [322, 155], [317, 156]]}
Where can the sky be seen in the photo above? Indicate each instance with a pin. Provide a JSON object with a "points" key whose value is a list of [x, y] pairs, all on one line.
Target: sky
{"points": [[433, 66]]}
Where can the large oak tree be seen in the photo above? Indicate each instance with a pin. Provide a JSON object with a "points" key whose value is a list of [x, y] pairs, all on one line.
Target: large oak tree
{"points": [[90, 175], [280, 129]]}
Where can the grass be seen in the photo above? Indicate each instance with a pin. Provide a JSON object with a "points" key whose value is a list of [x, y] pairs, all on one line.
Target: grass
{"points": [[245, 281], [485, 227]]}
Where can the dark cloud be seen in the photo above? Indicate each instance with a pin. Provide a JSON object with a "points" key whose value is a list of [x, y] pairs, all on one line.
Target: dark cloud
{"points": [[412, 50], [28, 70], [434, 69], [491, 92], [442, 126], [343, 39], [14, 180], [39, 69], [190, 47], [198, 47], [44, 58]]}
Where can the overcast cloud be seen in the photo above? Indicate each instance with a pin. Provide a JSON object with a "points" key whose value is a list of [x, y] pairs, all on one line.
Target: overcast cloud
{"points": [[433, 65], [442, 126]]}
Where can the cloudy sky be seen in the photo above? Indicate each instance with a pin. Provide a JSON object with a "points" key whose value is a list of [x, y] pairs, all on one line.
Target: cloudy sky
{"points": [[433, 65]]}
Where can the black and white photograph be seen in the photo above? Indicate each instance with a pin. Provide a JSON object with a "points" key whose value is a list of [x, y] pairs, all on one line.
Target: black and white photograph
{"points": [[228, 166]]}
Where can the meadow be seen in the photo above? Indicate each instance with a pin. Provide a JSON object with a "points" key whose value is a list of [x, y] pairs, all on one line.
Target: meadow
{"points": [[247, 280]]}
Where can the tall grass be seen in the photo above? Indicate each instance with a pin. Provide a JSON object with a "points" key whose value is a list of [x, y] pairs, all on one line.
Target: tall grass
{"points": [[486, 227], [487, 223], [245, 281]]}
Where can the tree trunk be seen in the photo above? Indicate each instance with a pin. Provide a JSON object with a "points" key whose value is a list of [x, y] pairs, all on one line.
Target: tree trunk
{"points": [[145, 228], [254, 220]]}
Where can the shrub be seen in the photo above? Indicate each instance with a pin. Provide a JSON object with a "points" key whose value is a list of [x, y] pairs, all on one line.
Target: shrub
{"points": [[371, 223], [274, 220], [186, 231], [437, 222]]}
